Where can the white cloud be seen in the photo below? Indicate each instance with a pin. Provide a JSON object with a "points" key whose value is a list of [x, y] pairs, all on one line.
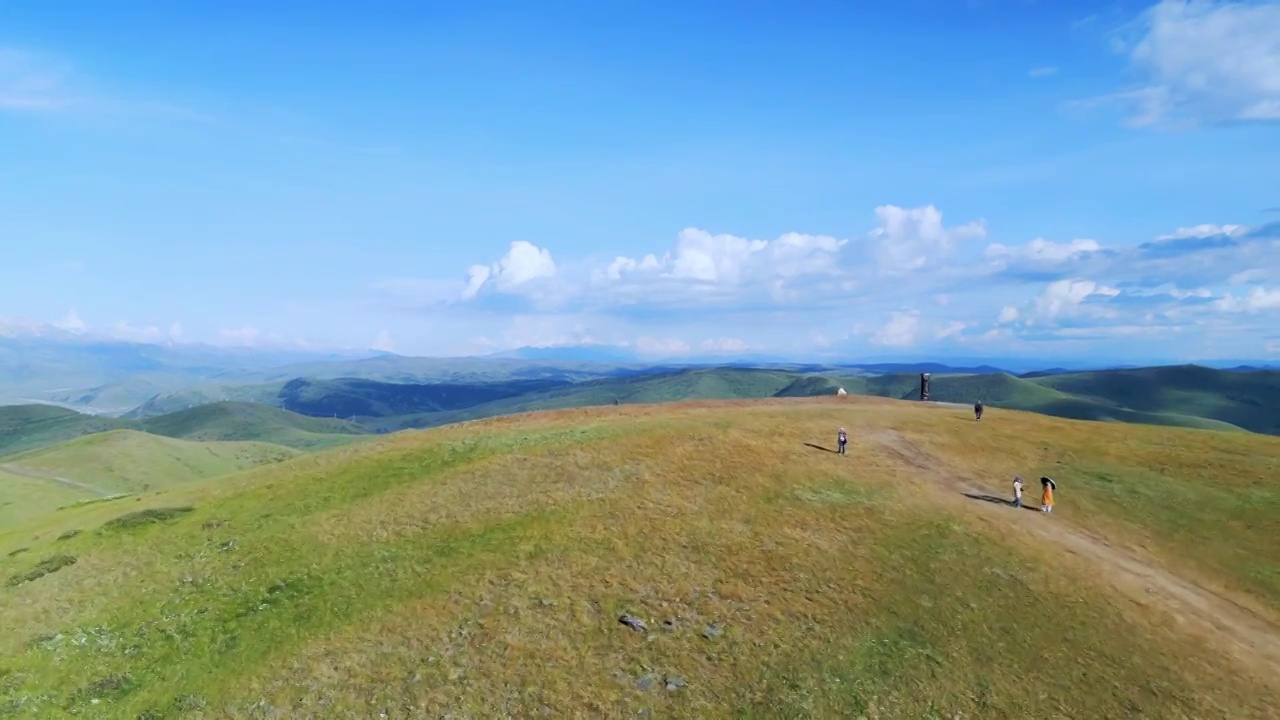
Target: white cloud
{"points": [[1204, 231], [1041, 72], [1008, 314], [909, 239], [384, 342], [953, 328], [1258, 299], [524, 270], [725, 260], [658, 346], [129, 332], [724, 345], [1042, 250], [72, 323], [1063, 295], [239, 337], [899, 331], [1206, 62]]}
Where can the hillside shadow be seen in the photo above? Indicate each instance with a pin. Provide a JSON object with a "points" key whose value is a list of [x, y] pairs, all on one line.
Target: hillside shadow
{"points": [[819, 447], [1000, 501]]}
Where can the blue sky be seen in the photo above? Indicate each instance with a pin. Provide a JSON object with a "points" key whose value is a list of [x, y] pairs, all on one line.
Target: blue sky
{"points": [[919, 178]]}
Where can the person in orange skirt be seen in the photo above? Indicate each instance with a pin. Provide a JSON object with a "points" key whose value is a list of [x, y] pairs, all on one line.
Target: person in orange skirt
{"points": [[1046, 494]]}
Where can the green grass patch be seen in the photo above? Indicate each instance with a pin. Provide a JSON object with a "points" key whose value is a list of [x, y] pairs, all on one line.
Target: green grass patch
{"points": [[150, 516]]}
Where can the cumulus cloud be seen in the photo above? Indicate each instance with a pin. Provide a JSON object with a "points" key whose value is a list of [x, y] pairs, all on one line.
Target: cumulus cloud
{"points": [[72, 323], [239, 337], [910, 239], [909, 281], [1205, 62], [1042, 250], [524, 265], [711, 267], [1256, 300], [900, 331], [151, 334]]}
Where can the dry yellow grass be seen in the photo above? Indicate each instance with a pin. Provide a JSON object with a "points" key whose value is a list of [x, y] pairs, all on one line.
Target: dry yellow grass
{"points": [[480, 571]]}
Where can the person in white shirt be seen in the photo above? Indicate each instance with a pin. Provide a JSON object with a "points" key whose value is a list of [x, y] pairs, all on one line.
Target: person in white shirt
{"points": [[1017, 491]]}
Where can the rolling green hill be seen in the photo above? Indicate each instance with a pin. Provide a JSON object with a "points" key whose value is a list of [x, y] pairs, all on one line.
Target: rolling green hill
{"points": [[24, 427], [129, 461], [250, 421], [29, 427], [689, 560], [1237, 401]]}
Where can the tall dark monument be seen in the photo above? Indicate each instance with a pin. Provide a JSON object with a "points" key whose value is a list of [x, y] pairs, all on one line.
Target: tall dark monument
{"points": [[924, 386]]}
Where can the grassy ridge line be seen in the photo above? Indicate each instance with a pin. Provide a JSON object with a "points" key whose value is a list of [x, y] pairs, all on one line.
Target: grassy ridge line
{"points": [[28, 427], [839, 588], [129, 461]]}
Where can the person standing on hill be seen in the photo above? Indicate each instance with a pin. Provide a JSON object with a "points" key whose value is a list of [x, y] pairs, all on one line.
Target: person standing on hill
{"points": [[1017, 491], [842, 438], [1046, 494], [977, 410]]}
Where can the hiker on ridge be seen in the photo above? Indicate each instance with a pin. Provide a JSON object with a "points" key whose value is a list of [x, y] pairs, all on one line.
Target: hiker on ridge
{"points": [[841, 439], [1046, 494], [977, 410], [1017, 491]]}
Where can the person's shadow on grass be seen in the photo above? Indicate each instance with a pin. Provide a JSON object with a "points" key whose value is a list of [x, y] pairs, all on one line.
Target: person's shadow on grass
{"points": [[819, 447], [998, 501]]}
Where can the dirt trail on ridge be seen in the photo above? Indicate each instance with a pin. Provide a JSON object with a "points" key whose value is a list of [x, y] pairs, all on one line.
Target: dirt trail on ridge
{"points": [[1251, 635], [50, 477]]}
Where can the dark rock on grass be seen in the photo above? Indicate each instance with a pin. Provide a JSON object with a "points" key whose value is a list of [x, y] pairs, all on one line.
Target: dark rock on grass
{"points": [[150, 516], [675, 683], [44, 567], [713, 631], [633, 622], [19, 551], [107, 688], [645, 682], [669, 625], [69, 534]]}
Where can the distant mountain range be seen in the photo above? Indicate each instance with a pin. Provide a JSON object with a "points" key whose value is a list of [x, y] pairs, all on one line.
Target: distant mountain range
{"points": [[40, 364]]}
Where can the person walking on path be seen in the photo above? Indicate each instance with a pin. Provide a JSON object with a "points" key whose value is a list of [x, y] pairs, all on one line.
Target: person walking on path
{"points": [[841, 439], [1046, 494], [1017, 491], [977, 410]]}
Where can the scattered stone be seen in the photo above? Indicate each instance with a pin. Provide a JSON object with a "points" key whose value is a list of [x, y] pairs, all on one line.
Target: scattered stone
{"points": [[645, 683], [547, 602], [675, 683], [669, 625], [227, 545], [713, 631], [633, 622], [214, 524]]}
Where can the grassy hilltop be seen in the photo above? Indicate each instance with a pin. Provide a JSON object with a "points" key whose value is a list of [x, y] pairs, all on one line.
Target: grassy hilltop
{"points": [[51, 457], [480, 570]]}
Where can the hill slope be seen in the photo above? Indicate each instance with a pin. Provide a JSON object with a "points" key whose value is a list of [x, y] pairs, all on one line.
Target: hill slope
{"points": [[23, 427], [250, 421], [29, 427], [129, 461], [481, 570]]}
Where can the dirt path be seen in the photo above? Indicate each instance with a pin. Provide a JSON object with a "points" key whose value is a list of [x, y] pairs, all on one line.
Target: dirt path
{"points": [[1245, 633], [39, 475]]}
